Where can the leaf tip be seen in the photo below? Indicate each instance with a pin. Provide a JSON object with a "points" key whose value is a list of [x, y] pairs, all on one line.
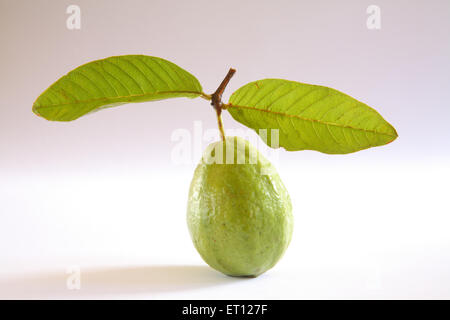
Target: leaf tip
{"points": [[394, 137], [34, 109], [394, 133]]}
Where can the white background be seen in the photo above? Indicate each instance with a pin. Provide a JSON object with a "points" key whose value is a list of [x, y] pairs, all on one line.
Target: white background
{"points": [[352, 239]]}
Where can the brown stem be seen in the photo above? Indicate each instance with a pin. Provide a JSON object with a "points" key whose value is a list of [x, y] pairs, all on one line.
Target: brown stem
{"points": [[216, 100]]}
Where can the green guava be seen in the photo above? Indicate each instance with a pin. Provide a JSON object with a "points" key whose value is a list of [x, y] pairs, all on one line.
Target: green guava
{"points": [[239, 212]]}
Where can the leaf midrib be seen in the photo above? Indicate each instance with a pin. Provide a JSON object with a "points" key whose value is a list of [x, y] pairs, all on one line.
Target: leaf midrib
{"points": [[77, 102], [308, 119]]}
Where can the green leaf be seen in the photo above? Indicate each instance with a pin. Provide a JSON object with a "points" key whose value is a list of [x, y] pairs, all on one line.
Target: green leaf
{"points": [[114, 81], [309, 117]]}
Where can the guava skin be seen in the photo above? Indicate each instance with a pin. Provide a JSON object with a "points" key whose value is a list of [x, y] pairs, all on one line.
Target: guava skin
{"points": [[239, 215]]}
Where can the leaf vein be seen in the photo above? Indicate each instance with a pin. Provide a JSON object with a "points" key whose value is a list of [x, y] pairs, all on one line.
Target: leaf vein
{"points": [[140, 71], [306, 119], [120, 97], [126, 73]]}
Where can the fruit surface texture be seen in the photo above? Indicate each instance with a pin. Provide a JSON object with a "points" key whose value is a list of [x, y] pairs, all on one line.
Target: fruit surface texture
{"points": [[239, 212]]}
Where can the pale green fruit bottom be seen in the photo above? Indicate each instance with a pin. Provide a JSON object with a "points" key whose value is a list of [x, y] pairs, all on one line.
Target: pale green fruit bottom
{"points": [[239, 215]]}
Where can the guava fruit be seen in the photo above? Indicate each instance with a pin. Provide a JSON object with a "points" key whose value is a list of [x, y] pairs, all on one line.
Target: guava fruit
{"points": [[239, 212]]}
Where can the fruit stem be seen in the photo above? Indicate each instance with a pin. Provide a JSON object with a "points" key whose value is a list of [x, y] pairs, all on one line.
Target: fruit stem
{"points": [[220, 124], [216, 100]]}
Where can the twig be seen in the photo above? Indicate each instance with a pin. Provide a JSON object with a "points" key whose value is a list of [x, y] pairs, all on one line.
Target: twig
{"points": [[216, 100]]}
